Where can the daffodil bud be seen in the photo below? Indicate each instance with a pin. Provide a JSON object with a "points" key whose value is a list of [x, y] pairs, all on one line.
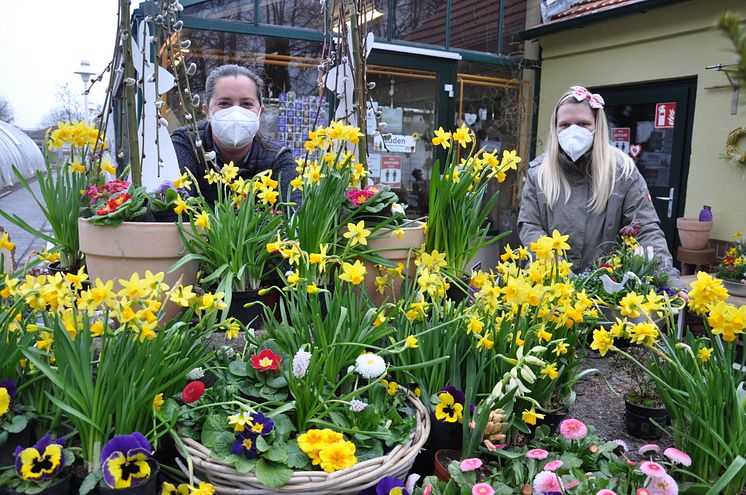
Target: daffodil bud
{"points": [[527, 374], [538, 349], [533, 360]]}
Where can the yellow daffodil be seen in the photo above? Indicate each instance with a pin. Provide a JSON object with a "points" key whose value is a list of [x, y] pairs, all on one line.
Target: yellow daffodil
{"points": [[462, 135], [602, 341], [357, 233], [203, 221], [442, 138], [531, 416], [353, 273], [158, 402]]}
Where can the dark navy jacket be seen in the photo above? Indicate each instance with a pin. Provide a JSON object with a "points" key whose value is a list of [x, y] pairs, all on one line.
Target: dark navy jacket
{"points": [[264, 155]]}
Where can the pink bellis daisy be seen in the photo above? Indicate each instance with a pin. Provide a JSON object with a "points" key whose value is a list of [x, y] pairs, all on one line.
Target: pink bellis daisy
{"points": [[573, 429], [537, 454], [547, 481], [677, 456], [652, 469]]}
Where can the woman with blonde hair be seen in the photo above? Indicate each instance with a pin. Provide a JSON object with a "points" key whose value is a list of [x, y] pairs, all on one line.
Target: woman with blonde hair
{"points": [[586, 188]]}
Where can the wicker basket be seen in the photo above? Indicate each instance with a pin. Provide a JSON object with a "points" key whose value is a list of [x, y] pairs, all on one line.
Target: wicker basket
{"points": [[397, 463]]}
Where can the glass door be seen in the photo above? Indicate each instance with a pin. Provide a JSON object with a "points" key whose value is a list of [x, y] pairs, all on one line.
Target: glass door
{"points": [[652, 123], [408, 97]]}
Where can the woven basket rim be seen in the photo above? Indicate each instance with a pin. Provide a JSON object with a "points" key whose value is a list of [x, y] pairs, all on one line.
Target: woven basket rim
{"points": [[397, 462]]}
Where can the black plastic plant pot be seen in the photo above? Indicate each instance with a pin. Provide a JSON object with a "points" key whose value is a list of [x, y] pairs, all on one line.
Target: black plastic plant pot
{"points": [[444, 435], [59, 487], [638, 418], [8, 449], [147, 488]]}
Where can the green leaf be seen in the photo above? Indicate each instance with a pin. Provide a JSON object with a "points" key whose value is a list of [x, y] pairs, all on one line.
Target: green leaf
{"points": [[297, 459], [170, 410], [283, 427], [238, 368], [570, 460], [272, 474], [733, 470], [502, 489], [3, 437], [242, 464], [17, 424], [261, 444], [90, 482], [215, 422], [278, 381], [222, 444], [375, 450], [278, 453]]}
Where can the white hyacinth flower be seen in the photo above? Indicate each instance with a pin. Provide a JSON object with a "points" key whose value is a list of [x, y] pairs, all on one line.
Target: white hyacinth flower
{"points": [[300, 363], [370, 366], [195, 374], [357, 405]]}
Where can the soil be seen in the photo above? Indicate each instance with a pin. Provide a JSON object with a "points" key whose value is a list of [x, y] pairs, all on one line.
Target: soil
{"points": [[602, 405]]}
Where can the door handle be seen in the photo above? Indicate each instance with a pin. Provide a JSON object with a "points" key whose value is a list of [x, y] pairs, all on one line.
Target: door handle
{"points": [[668, 198]]}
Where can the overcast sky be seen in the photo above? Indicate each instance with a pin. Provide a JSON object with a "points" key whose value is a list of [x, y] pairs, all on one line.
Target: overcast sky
{"points": [[41, 45]]}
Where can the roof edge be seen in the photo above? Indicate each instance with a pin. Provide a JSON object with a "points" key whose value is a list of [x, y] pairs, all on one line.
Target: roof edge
{"points": [[594, 17]]}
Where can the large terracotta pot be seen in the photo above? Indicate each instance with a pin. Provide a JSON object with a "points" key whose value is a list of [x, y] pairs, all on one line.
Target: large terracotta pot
{"points": [[693, 233], [117, 252], [398, 250]]}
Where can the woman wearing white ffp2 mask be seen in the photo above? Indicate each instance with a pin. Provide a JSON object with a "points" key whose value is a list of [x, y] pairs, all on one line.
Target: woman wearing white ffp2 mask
{"points": [[230, 134], [587, 189]]}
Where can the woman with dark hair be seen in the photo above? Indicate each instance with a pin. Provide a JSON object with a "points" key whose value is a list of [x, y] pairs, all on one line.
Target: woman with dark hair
{"points": [[230, 133], [586, 188]]}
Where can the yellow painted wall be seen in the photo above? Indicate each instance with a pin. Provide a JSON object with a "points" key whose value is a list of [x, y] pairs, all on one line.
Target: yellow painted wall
{"points": [[666, 43]]}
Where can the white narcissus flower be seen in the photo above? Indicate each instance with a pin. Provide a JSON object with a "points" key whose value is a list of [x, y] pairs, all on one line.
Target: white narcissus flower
{"points": [[534, 361], [527, 374], [370, 365]]}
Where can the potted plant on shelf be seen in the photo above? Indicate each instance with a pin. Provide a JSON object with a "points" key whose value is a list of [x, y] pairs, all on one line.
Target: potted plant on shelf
{"points": [[732, 269], [694, 233]]}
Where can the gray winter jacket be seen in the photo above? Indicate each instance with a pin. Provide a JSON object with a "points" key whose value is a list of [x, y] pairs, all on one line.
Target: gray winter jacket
{"points": [[593, 235]]}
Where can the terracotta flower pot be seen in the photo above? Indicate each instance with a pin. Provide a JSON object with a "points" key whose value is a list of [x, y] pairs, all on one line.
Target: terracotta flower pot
{"points": [[117, 252], [398, 250], [693, 233], [443, 458]]}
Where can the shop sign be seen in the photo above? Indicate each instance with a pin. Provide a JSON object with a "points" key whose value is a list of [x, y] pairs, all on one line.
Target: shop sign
{"points": [[396, 143], [374, 167]]}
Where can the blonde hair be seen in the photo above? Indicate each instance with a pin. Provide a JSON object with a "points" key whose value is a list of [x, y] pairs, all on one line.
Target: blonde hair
{"points": [[604, 157]]}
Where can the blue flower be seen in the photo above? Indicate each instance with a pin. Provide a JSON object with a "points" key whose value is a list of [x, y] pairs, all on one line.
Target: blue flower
{"points": [[261, 425], [124, 460], [42, 461], [245, 444]]}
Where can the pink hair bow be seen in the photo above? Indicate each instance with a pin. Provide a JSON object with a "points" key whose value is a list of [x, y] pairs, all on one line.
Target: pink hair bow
{"points": [[581, 94]]}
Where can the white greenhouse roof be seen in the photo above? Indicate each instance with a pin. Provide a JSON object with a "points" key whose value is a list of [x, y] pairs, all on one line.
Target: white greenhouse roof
{"points": [[16, 148]]}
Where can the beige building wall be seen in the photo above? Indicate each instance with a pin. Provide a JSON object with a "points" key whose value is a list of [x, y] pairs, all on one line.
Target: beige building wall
{"points": [[666, 43]]}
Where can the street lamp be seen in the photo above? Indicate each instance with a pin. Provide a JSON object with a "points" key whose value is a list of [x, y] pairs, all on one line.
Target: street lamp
{"points": [[85, 74]]}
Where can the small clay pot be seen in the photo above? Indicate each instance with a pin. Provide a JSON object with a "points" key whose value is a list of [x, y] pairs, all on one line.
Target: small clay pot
{"points": [[443, 458]]}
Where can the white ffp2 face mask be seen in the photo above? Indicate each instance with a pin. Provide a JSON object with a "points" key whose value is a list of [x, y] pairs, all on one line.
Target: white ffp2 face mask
{"points": [[234, 127], [575, 141]]}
